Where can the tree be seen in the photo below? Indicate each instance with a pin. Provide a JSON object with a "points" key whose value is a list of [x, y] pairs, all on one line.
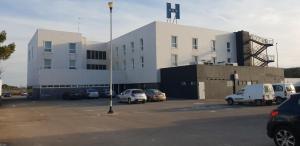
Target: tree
{"points": [[5, 50]]}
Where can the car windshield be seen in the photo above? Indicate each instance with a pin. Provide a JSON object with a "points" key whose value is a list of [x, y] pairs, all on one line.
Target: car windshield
{"points": [[137, 91], [290, 88]]}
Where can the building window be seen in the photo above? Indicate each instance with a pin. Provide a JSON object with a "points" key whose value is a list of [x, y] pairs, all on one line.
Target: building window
{"points": [[132, 61], [124, 64], [72, 64], [88, 54], [124, 50], [142, 44], [228, 50], [195, 43], [47, 46], [228, 44], [72, 47], [132, 45], [142, 61], [174, 42], [195, 59], [95, 67], [47, 63], [117, 51], [174, 60], [228, 60], [213, 45], [97, 55]]}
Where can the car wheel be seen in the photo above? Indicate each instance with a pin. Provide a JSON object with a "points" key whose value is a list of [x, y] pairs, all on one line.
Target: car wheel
{"points": [[129, 100], [230, 101], [144, 101], [285, 137]]}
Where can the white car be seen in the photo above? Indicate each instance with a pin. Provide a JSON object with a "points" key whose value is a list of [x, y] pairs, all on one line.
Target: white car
{"points": [[283, 91], [133, 95], [258, 94], [92, 93]]}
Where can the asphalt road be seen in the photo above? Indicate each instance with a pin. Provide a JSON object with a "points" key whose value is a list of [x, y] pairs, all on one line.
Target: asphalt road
{"points": [[173, 123]]}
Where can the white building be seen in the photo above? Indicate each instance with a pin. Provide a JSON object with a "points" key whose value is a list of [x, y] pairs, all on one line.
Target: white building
{"points": [[65, 60]]}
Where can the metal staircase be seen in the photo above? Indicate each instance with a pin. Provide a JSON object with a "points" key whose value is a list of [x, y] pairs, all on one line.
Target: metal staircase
{"points": [[258, 46]]}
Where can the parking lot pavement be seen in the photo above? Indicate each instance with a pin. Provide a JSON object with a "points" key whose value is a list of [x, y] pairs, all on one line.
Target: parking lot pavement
{"points": [[174, 122]]}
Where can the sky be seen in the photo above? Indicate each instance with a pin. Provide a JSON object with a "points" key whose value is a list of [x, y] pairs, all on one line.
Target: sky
{"points": [[275, 19]]}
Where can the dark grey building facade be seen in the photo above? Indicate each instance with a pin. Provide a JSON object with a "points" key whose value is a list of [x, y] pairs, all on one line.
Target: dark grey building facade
{"points": [[216, 81]]}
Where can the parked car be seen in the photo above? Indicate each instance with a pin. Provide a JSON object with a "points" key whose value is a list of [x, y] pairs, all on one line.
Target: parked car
{"points": [[284, 123], [6, 94], [24, 94], [283, 91], [72, 95], [133, 95], [91, 93], [258, 94], [155, 95], [105, 93]]}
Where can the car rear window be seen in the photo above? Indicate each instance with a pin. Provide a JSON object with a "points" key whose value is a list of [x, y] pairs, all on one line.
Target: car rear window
{"points": [[137, 91]]}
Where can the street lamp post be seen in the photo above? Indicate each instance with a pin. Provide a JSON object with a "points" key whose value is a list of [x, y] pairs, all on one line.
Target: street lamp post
{"points": [[277, 55], [110, 5]]}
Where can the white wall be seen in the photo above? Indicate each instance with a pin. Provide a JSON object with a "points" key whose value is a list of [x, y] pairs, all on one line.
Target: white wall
{"points": [[221, 48], [60, 57], [156, 51], [139, 74]]}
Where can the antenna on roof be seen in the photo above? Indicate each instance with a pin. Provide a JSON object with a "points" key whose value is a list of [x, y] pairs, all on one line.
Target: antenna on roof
{"points": [[170, 10], [78, 25]]}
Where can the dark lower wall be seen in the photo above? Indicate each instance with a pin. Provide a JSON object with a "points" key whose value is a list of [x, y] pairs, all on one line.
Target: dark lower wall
{"points": [[218, 79], [179, 82], [56, 93]]}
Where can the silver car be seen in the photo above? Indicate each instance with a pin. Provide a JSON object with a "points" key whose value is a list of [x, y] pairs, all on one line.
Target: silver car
{"points": [[133, 95]]}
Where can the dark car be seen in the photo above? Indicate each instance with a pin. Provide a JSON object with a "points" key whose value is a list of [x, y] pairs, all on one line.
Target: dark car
{"points": [[155, 95], [72, 95], [6, 94], [284, 123]]}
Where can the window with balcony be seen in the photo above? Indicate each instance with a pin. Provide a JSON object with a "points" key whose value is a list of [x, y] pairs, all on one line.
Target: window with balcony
{"points": [[47, 46], [72, 47], [72, 64], [47, 63], [174, 42], [174, 60], [195, 43]]}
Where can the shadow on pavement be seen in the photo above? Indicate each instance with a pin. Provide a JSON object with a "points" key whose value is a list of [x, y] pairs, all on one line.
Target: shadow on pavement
{"points": [[228, 131]]}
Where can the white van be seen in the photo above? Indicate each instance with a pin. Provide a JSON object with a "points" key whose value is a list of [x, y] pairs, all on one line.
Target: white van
{"points": [[258, 94], [283, 91]]}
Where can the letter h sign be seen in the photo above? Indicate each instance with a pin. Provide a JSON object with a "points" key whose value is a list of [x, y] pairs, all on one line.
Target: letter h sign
{"points": [[170, 11]]}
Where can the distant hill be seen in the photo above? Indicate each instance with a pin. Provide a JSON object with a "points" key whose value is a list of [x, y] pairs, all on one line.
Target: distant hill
{"points": [[292, 72]]}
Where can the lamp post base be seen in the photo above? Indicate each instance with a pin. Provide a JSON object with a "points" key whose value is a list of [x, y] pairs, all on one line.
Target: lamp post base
{"points": [[110, 110]]}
